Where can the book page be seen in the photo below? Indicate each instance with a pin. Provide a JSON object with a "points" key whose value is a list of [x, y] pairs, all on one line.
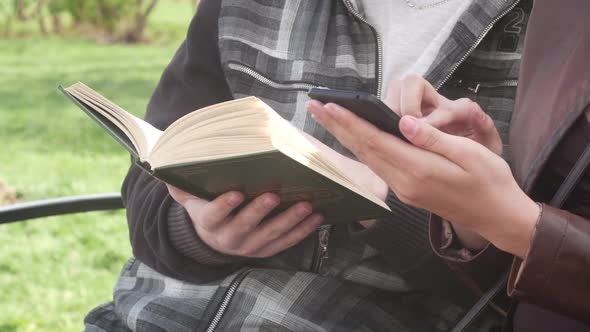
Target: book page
{"points": [[224, 130], [296, 145], [143, 135], [151, 133]]}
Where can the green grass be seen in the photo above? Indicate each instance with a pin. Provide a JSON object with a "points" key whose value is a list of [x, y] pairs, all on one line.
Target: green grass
{"points": [[54, 270]]}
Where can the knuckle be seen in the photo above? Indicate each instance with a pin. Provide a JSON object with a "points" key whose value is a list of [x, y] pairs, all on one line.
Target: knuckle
{"points": [[465, 102], [361, 155], [371, 140], [292, 243], [430, 140], [264, 203], [274, 233], [422, 173]]}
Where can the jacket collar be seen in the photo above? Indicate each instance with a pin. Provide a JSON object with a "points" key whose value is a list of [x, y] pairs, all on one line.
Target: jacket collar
{"points": [[472, 27]]}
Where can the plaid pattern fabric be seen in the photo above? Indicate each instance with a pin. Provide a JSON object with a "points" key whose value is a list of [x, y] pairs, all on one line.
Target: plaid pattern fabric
{"points": [[266, 300], [314, 42], [274, 49]]}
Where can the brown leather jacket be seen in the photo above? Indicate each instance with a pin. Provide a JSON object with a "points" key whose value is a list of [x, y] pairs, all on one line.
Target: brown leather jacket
{"points": [[554, 91]]}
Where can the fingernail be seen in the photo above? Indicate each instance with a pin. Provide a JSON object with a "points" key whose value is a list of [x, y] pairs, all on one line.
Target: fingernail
{"points": [[270, 202], [409, 126], [234, 200], [481, 116], [303, 210], [318, 218]]}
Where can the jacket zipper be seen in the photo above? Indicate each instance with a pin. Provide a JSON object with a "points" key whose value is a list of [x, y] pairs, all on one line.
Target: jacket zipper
{"points": [[479, 39], [321, 251], [475, 86], [300, 86], [227, 297], [379, 64]]}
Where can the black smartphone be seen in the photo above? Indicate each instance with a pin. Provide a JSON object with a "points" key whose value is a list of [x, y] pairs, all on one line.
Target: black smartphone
{"points": [[363, 104]]}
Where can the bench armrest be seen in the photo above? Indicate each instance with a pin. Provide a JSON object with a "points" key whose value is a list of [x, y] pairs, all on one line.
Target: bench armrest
{"points": [[60, 206]]}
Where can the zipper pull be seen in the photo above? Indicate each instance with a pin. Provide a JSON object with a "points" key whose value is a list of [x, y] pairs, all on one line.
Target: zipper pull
{"points": [[471, 87], [474, 90], [323, 240]]}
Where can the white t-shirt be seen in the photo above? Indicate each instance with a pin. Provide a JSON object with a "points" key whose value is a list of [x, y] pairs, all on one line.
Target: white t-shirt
{"points": [[411, 37]]}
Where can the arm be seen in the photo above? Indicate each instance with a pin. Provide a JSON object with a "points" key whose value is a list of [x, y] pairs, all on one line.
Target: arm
{"points": [[185, 236], [161, 231], [464, 182], [415, 96]]}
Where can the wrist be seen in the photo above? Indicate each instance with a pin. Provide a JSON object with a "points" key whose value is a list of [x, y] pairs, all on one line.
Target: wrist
{"points": [[513, 234]]}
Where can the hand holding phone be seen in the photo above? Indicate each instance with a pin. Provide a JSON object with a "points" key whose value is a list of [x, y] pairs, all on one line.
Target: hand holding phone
{"points": [[364, 105]]}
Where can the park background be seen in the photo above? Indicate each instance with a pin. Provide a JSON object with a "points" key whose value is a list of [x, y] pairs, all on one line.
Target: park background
{"points": [[54, 270]]}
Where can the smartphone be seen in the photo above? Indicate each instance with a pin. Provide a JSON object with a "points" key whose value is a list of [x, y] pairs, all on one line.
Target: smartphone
{"points": [[364, 105]]}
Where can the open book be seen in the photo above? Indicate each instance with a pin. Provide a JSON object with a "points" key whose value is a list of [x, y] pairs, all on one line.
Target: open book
{"points": [[241, 145]]}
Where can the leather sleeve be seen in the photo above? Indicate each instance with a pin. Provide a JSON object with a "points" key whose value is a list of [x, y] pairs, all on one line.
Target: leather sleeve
{"points": [[555, 274], [160, 230]]}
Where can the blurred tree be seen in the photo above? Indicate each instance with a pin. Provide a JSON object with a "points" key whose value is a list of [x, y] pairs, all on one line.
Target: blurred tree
{"points": [[105, 20], [142, 9], [24, 9], [6, 18]]}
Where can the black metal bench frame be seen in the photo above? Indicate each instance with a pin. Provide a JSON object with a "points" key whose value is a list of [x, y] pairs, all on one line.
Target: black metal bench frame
{"points": [[60, 206]]}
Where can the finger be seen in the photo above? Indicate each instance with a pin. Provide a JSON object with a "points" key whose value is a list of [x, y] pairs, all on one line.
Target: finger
{"points": [[293, 237], [425, 136], [392, 100], [314, 104], [395, 161], [373, 147], [178, 194], [214, 214], [250, 216], [487, 131], [388, 156], [418, 96], [457, 114], [204, 214], [280, 224], [465, 117]]}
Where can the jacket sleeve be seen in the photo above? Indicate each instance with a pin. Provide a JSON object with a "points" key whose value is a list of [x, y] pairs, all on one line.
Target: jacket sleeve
{"points": [[555, 274], [161, 231], [478, 270]]}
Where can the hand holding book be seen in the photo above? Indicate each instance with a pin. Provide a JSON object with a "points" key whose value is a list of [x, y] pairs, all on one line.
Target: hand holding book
{"points": [[247, 232], [241, 145]]}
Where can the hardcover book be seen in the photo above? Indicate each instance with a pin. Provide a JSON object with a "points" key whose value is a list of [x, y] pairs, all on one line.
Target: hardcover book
{"points": [[241, 145]]}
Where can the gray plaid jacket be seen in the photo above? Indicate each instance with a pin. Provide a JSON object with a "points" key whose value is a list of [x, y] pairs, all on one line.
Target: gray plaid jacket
{"points": [[277, 50]]}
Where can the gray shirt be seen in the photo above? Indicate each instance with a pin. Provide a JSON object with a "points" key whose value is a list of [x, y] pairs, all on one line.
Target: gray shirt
{"points": [[411, 36]]}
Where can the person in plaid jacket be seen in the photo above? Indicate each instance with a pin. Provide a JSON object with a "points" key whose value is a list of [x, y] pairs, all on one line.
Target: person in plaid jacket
{"points": [[201, 266]]}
